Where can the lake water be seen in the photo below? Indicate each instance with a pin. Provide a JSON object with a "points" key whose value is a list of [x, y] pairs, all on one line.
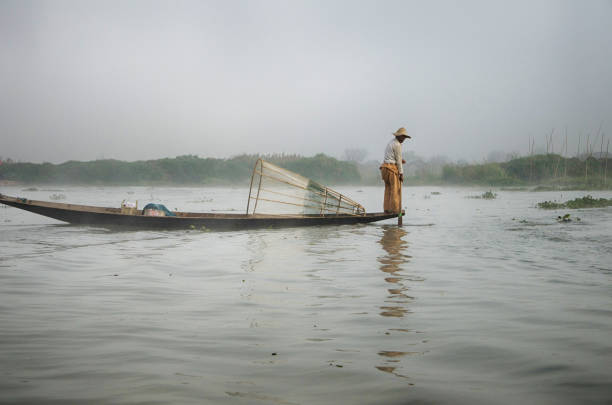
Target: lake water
{"points": [[472, 301]]}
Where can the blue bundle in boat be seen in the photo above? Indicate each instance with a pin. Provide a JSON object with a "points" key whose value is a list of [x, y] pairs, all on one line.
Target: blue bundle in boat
{"points": [[159, 207]]}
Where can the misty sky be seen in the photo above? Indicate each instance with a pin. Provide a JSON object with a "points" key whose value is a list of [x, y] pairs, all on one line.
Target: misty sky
{"points": [[131, 80]]}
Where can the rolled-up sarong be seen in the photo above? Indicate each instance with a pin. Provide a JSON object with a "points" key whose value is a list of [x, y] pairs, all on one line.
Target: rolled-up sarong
{"points": [[393, 187]]}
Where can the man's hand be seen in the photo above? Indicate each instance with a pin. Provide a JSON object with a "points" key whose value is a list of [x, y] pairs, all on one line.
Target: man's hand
{"points": [[403, 161], [401, 178]]}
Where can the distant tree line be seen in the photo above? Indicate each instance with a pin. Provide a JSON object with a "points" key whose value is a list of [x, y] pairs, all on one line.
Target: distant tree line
{"points": [[183, 170], [586, 171]]}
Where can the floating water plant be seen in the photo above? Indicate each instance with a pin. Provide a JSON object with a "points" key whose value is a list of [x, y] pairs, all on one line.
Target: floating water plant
{"points": [[582, 202], [589, 202], [489, 195], [551, 205], [566, 218], [521, 221]]}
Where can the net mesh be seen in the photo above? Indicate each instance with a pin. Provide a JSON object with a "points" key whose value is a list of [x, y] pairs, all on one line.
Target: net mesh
{"points": [[277, 191]]}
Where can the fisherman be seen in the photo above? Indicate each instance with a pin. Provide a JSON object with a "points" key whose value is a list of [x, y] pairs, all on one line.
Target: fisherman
{"points": [[392, 171]]}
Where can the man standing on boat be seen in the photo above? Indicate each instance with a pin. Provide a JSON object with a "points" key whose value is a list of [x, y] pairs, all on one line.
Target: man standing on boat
{"points": [[392, 171]]}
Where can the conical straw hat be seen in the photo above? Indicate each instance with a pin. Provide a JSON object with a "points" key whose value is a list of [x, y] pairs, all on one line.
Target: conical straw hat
{"points": [[402, 132]]}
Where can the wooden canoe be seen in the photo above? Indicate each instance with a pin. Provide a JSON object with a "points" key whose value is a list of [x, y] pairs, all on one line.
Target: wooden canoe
{"points": [[113, 217]]}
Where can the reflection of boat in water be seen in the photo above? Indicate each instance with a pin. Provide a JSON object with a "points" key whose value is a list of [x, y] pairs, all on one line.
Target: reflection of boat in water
{"points": [[277, 198]]}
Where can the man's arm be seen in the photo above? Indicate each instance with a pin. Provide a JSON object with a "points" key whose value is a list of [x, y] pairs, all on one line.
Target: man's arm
{"points": [[397, 150]]}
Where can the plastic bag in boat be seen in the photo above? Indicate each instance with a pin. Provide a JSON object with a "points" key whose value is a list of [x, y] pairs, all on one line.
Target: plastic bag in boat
{"points": [[157, 210]]}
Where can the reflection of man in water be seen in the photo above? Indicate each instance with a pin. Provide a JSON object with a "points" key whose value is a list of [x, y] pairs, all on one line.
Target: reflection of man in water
{"points": [[392, 171], [393, 244], [393, 264], [390, 263]]}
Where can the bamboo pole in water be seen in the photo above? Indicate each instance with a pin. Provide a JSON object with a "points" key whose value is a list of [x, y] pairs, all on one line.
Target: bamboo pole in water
{"points": [[607, 158], [551, 150], [552, 143], [531, 150], [557, 165], [598, 131], [559, 158], [586, 161], [601, 156], [529, 158], [590, 147], [565, 155]]}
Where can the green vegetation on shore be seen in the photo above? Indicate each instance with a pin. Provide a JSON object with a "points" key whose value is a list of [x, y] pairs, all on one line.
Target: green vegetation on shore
{"points": [[182, 170]]}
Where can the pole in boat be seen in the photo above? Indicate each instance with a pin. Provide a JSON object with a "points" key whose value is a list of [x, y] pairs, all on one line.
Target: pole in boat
{"points": [[251, 186], [399, 215]]}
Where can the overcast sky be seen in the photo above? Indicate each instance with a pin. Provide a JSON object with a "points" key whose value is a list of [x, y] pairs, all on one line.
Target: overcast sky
{"points": [[131, 80]]}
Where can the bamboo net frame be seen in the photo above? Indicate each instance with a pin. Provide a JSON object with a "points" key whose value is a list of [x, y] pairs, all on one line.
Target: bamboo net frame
{"points": [[277, 191]]}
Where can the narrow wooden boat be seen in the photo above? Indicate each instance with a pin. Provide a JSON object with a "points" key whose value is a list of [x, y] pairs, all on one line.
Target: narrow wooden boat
{"points": [[112, 217], [277, 198]]}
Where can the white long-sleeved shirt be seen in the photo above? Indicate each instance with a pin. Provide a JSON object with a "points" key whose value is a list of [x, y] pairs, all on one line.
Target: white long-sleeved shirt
{"points": [[393, 154]]}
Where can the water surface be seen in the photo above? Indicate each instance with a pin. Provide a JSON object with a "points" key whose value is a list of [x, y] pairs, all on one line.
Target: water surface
{"points": [[472, 301]]}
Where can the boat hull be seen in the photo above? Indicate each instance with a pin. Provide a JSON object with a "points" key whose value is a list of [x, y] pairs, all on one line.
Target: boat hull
{"points": [[112, 217]]}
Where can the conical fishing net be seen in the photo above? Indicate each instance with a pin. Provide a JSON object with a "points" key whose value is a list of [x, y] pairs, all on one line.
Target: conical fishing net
{"points": [[277, 191]]}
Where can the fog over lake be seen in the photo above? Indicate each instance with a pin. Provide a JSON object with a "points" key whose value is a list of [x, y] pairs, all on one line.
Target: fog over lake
{"points": [[149, 79]]}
